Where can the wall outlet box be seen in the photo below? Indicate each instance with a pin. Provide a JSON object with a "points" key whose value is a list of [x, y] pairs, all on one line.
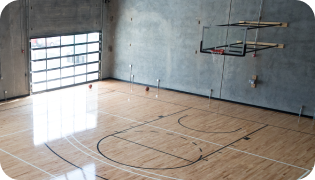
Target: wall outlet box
{"points": [[5, 92], [253, 85], [254, 77]]}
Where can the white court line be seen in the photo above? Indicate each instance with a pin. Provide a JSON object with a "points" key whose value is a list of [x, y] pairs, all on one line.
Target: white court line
{"points": [[115, 166], [28, 163], [304, 175], [16, 132], [206, 141], [103, 97], [10, 102], [108, 163]]}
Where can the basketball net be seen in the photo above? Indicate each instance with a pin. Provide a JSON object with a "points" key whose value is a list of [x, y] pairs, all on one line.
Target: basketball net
{"points": [[216, 55]]}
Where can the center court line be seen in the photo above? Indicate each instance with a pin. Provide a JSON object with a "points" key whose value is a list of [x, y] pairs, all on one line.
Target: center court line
{"points": [[205, 141], [28, 163], [116, 166]]}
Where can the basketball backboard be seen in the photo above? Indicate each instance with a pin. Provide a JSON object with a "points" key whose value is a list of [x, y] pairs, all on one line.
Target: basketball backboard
{"points": [[216, 37]]}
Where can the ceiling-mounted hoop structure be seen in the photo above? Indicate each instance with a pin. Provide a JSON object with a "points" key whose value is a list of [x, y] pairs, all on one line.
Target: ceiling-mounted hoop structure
{"points": [[215, 37]]}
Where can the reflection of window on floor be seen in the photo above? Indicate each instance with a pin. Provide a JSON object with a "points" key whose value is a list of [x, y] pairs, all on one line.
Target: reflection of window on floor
{"points": [[64, 60], [88, 172], [61, 113]]}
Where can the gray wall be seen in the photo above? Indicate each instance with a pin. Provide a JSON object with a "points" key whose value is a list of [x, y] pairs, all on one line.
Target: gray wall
{"points": [[13, 62], [164, 36]]}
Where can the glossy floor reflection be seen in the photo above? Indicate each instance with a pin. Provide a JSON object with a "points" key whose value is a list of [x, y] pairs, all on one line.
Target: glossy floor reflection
{"points": [[117, 130]]}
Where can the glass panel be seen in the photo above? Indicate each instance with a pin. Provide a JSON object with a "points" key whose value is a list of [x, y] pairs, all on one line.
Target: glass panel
{"points": [[68, 81], [93, 57], [38, 43], [92, 67], [37, 77], [93, 47], [39, 65], [68, 61], [54, 52], [66, 40], [80, 38], [93, 76], [39, 87], [53, 84], [66, 51], [93, 37], [53, 74], [39, 54], [80, 59], [80, 79], [80, 49], [80, 69], [54, 63], [53, 41], [67, 72], [216, 37]]}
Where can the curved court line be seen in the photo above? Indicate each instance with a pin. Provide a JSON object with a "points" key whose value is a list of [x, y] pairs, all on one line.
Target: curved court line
{"points": [[73, 164], [304, 174], [200, 158], [121, 168], [28, 163], [213, 112], [203, 131], [206, 141], [108, 163]]}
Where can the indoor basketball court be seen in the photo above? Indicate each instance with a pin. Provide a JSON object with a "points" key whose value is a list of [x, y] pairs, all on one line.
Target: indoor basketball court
{"points": [[163, 90], [110, 132]]}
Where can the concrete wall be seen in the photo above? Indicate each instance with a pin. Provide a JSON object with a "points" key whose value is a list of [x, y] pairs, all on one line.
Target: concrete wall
{"points": [[13, 62], [164, 36], [161, 40]]}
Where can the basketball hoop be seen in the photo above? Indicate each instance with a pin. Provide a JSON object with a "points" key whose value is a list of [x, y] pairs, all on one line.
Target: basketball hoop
{"points": [[216, 53]]}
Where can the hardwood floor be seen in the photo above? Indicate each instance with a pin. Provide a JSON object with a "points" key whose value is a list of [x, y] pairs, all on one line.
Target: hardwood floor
{"points": [[110, 132]]}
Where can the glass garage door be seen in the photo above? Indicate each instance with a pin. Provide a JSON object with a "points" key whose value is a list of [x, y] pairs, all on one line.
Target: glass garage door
{"points": [[63, 61]]}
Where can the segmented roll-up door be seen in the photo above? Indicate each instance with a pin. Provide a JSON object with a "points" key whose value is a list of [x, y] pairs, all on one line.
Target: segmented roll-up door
{"points": [[63, 61]]}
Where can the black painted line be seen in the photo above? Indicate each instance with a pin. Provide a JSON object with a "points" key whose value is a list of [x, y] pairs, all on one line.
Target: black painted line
{"points": [[147, 122], [152, 148], [170, 134], [234, 142], [194, 143], [200, 149], [72, 163], [183, 138], [98, 144], [138, 131], [214, 112], [155, 131], [203, 131]]}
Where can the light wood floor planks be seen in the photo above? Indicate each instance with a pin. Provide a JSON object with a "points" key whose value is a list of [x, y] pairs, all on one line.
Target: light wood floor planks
{"points": [[111, 132]]}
